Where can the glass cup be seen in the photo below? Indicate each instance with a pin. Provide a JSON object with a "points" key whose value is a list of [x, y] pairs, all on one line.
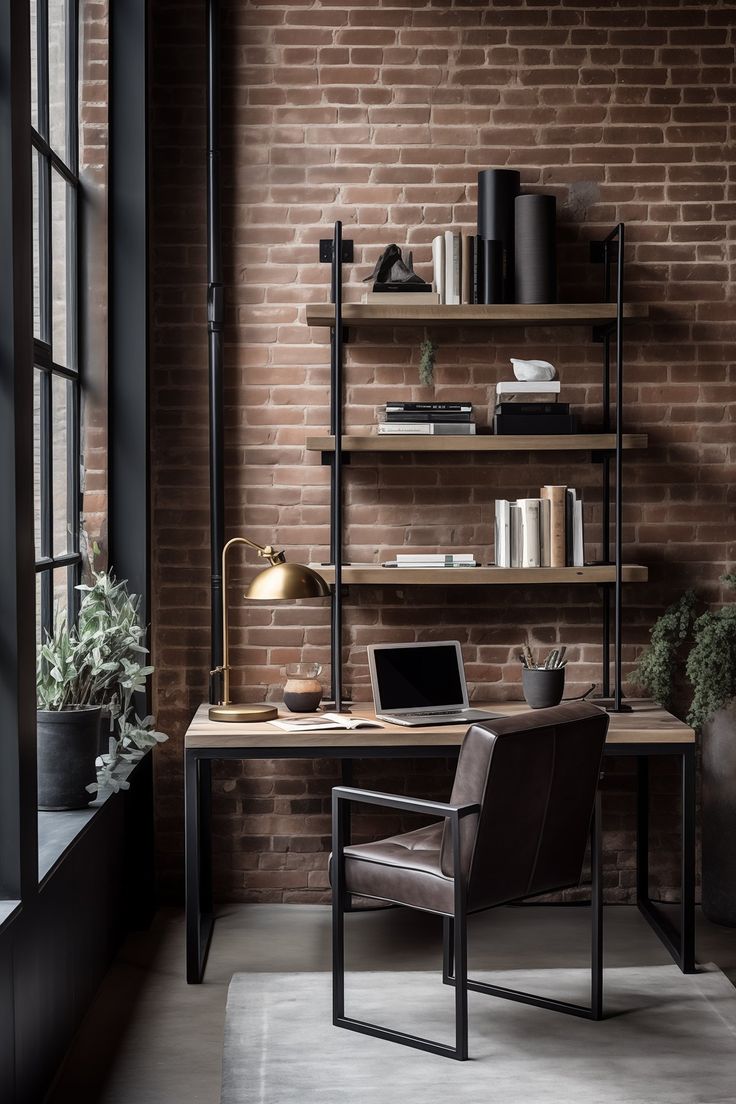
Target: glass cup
{"points": [[302, 690]]}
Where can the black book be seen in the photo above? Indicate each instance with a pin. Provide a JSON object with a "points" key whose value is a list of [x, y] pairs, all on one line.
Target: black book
{"points": [[419, 416], [455, 406], [534, 423], [518, 408]]}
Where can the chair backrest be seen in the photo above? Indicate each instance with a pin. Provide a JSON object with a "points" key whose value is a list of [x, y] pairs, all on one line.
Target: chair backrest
{"points": [[535, 777]]}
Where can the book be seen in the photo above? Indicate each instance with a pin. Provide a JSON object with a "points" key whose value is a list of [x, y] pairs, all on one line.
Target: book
{"points": [[438, 263], [578, 534], [424, 428], [438, 416], [528, 387], [557, 498], [435, 557], [453, 268], [325, 722], [533, 408], [531, 544], [505, 424], [404, 297], [514, 535], [428, 406], [545, 532], [502, 533], [426, 564], [467, 261]]}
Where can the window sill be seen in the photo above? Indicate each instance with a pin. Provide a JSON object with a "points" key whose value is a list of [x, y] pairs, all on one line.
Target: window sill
{"points": [[57, 831]]}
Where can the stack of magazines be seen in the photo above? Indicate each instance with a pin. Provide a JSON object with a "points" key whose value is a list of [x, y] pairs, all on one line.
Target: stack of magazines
{"points": [[541, 532], [427, 418], [433, 559]]}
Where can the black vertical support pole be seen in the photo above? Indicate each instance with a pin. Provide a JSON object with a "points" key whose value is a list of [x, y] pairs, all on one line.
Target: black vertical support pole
{"points": [[606, 474], [596, 905], [619, 465], [687, 907], [336, 498], [215, 341]]}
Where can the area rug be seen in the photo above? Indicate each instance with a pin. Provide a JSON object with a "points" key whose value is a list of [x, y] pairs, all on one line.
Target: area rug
{"points": [[668, 1039]]}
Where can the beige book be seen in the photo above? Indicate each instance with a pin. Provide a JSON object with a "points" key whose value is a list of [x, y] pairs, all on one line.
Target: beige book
{"points": [[557, 501]]}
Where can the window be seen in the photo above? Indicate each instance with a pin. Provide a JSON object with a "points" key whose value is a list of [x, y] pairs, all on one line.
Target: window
{"points": [[56, 413]]}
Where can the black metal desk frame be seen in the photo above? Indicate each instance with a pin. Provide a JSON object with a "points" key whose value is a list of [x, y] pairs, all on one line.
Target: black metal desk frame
{"points": [[679, 942]]}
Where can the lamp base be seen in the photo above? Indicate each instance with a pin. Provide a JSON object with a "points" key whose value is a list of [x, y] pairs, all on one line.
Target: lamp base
{"points": [[243, 713]]}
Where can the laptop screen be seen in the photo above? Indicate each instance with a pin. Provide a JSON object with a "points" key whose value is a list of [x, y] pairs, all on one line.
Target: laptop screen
{"points": [[419, 677]]}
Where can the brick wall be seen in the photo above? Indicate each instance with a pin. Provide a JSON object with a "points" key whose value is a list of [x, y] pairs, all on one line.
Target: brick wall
{"points": [[381, 115]]}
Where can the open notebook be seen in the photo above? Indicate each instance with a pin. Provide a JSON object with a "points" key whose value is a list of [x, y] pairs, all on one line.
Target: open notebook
{"points": [[324, 721]]}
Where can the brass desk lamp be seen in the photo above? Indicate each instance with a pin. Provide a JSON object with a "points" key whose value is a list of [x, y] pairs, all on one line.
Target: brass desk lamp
{"points": [[279, 582]]}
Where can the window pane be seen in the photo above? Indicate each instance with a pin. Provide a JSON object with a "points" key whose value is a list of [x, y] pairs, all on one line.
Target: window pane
{"points": [[58, 76], [34, 66], [60, 273], [36, 248], [40, 635], [61, 407], [37, 461], [59, 597]]}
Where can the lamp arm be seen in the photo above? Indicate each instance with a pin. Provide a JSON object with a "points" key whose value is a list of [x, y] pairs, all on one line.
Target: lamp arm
{"points": [[274, 557]]}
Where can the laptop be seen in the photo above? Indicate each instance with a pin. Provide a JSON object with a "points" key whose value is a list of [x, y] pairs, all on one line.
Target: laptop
{"points": [[421, 684]]}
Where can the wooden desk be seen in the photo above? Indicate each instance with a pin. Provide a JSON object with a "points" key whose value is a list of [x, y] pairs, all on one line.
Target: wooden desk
{"points": [[647, 731]]}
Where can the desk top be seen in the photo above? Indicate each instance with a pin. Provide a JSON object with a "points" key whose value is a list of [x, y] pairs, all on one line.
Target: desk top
{"points": [[647, 724]]}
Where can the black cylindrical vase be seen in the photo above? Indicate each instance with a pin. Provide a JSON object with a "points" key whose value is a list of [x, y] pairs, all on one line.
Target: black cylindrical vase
{"points": [[497, 190], [490, 267], [535, 254]]}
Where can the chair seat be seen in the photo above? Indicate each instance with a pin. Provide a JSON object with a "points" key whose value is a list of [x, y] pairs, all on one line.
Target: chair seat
{"points": [[404, 869]]}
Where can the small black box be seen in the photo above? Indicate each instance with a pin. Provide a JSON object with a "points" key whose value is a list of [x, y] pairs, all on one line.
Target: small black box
{"points": [[534, 423]]}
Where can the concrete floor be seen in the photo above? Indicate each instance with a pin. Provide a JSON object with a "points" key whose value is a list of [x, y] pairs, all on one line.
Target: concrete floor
{"points": [[149, 1038]]}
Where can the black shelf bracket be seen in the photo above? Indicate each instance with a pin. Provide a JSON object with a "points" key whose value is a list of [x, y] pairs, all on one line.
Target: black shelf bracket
{"points": [[327, 251]]}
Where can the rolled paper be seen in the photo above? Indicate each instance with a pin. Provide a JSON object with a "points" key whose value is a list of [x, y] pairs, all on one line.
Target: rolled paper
{"points": [[535, 254]]}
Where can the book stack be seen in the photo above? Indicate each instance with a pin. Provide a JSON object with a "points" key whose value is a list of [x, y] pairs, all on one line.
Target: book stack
{"points": [[438, 418], [531, 407], [541, 532], [433, 559], [455, 268]]}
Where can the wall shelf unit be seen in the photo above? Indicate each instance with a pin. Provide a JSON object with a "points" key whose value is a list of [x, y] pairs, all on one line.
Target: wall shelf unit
{"points": [[606, 322]]}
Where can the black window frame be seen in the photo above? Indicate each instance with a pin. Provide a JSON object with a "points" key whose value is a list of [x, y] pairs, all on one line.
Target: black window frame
{"points": [[49, 161]]}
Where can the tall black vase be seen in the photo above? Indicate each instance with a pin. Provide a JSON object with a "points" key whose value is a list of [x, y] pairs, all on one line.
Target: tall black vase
{"points": [[535, 253], [497, 190]]}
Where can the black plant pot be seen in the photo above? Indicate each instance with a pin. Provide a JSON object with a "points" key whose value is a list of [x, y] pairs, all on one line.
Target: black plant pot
{"points": [[68, 741], [543, 689], [719, 817]]}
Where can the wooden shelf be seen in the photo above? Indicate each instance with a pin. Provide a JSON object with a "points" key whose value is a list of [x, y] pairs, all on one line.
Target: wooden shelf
{"points": [[373, 574], [570, 442], [511, 314]]}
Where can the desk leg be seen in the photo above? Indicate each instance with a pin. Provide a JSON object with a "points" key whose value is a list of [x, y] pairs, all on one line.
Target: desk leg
{"points": [[680, 943], [198, 848]]}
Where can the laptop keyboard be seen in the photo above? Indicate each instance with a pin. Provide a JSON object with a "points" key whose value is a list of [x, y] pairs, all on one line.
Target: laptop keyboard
{"points": [[437, 713]]}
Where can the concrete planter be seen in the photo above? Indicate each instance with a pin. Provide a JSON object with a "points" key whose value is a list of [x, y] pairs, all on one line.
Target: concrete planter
{"points": [[68, 741], [719, 817]]}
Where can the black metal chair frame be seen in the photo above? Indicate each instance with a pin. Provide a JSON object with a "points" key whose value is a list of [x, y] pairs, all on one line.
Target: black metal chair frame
{"points": [[455, 935]]}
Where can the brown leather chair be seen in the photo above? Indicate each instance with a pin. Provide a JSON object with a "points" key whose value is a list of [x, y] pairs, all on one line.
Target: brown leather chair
{"points": [[524, 800]]}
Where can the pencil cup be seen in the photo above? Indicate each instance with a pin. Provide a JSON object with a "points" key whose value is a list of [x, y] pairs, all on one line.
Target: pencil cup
{"points": [[543, 688]]}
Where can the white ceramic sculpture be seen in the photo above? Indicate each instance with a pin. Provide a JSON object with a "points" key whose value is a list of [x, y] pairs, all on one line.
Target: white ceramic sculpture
{"points": [[533, 369]]}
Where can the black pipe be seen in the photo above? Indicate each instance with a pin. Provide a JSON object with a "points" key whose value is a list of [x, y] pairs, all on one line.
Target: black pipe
{"points": [[215, 342], [619, 467], [336, 504]]}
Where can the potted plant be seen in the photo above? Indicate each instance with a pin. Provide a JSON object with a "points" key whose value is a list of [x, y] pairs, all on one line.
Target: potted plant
{"points": [[700, 643], [84, 672]]}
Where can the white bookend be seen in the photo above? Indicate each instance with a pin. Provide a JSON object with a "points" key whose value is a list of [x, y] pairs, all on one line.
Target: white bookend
{"points": [[452, 268], [545, 532], [502, 533], [531, 555], [515, 535], [578, 534], [438, 261]]}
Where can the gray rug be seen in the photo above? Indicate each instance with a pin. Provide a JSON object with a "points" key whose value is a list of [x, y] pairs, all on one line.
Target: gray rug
{"points": [[667, 1039]]}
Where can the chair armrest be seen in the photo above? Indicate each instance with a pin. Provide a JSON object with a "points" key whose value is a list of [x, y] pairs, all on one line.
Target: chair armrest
{"points": [[403, 804]]}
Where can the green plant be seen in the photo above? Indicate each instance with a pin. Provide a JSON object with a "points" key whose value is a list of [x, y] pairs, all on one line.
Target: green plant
{"points": [[427, 354], [98, 661], [700, 645]]}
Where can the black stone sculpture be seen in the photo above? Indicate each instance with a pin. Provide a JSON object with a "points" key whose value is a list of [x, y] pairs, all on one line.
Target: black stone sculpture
{"points": [[393, 273]]}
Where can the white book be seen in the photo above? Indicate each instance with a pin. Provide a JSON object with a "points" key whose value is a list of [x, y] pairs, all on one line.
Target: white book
{"points": [[425, 565], [502, 535], [435, 557], [453, 271], [578, 534], [545, 532], [515, 535], [528, 387], [405, 298], [438, 262], [428, 429], [323, 722], [531, 548]]}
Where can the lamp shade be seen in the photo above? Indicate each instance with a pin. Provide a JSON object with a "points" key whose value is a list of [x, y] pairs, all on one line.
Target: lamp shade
{"points": [[287, 582]]}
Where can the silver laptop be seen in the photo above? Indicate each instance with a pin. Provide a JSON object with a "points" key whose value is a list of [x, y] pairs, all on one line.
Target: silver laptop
{"points": [[421, 684]]}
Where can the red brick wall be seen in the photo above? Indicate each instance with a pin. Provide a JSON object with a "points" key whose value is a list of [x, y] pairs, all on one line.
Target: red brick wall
{"points": [[381, 115]]}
